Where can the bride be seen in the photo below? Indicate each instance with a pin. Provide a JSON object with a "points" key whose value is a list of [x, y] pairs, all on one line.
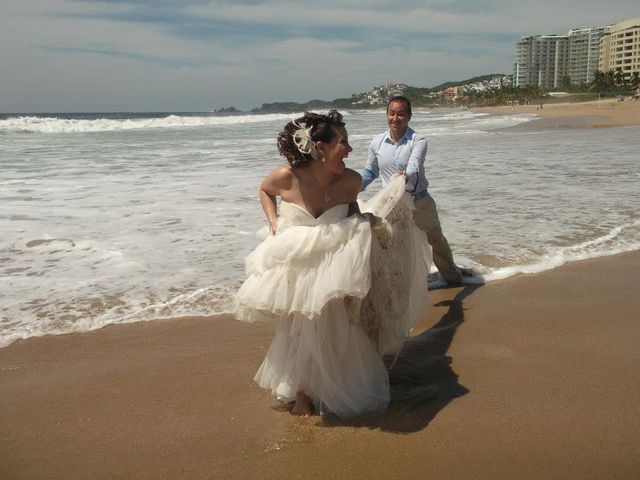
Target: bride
{"points": [[342, 287]]}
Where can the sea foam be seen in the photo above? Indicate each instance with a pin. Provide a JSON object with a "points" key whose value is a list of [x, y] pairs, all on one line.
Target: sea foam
{"points": [[142, 218], [44, 124], [33, 124]]}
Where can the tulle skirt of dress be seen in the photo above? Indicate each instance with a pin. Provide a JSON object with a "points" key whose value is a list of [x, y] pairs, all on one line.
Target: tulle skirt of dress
{"points": [[331, 359]]}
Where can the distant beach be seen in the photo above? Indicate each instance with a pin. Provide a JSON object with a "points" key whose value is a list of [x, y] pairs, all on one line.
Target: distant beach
{"points": [[599, 113]]}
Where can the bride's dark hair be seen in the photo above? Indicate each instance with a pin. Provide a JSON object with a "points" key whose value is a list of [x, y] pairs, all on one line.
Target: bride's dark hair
{"points": [[321, 128]]}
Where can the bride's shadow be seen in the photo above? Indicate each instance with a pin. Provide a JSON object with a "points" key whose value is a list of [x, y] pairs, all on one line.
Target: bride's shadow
{"points": [[422, 380]]}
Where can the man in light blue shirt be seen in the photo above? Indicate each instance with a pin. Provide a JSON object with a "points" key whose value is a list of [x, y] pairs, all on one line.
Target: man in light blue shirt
{"points": [[402, 150]]}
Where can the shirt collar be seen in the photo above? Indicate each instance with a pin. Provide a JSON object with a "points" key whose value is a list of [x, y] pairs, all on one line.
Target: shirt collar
{"points": [[407, 136]]}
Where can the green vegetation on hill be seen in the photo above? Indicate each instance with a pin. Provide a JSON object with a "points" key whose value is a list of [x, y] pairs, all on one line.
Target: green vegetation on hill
{"points": [[418, 96]]}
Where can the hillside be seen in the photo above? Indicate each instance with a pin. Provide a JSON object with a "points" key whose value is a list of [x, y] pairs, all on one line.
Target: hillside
{"points": [[378, 96]]}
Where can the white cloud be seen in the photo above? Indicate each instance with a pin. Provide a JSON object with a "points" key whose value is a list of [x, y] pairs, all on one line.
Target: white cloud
{"points": [[92, 55]]}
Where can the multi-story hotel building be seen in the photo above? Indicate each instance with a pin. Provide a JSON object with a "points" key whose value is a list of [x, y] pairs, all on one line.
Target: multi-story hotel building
{"points": [[620, 48], [584, 53], [541, 60], [547, 60]]}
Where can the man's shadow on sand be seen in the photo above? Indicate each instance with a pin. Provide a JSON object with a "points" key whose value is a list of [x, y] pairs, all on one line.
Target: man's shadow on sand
{"points": [[422, 380]]}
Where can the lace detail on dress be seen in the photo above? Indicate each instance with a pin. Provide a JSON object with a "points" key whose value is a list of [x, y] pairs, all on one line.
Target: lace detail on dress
{"points": [[397, 298]]}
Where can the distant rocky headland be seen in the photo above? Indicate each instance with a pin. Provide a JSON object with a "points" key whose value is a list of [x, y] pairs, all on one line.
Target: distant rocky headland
{"points": [[227, 110]]}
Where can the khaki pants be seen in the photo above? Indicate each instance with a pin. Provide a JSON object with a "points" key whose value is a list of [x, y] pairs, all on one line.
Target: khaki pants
{"points": [[426, 217]]}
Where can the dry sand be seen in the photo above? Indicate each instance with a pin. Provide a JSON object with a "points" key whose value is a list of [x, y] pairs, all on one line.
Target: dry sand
{"points": [[535, 377], [601, 113]]}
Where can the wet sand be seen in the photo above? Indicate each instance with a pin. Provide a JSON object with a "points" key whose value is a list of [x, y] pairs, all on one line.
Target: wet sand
{"points": [[527, 378], [601, 113]]}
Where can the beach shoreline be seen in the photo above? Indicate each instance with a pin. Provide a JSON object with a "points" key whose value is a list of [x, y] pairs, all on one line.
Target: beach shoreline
{"points": [[91, 242], [529, 377], [594, 114]]}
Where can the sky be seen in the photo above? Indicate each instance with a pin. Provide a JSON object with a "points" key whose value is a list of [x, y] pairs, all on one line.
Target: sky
{"points": [[198, 55]]}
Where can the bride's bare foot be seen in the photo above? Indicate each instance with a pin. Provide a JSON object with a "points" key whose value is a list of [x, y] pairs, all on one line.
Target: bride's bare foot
{"points": [[302, 407]]}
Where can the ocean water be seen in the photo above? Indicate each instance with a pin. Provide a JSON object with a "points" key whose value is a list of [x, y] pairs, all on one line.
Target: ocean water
{"points": [[112, 218]]}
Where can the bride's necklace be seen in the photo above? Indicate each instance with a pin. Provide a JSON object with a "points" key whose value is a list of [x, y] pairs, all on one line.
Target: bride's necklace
{"points": [[327, 198]]}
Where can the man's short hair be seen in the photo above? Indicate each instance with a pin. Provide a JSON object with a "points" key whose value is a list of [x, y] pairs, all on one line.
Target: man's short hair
{"points": [[400, 98]]}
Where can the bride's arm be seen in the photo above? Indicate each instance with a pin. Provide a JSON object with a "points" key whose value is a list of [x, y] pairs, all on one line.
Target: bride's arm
{"points": [[351, 183], [279, 179]]}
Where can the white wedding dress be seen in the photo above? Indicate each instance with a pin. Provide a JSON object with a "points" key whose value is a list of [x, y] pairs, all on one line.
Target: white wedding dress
{"points": [[341, 294]]}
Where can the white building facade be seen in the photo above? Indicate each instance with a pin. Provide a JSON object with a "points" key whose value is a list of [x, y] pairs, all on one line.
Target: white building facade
{"points": [[549, 61], [541, 60], [584, 53]]}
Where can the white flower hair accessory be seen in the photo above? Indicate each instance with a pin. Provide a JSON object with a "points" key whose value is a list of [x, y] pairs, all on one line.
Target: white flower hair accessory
{"points": [[302, 139]]}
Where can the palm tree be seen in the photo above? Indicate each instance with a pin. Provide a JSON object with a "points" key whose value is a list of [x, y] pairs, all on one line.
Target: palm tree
{"points": [[610, 80], [598, 82], [618, 78], [603, 81]]}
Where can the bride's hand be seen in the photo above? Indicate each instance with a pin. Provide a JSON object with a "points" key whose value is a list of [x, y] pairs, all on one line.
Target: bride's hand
{"points": [[373, 220]]}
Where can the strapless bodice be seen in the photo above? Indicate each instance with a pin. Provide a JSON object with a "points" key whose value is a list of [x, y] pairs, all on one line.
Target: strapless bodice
{"points": [[296, 215]]}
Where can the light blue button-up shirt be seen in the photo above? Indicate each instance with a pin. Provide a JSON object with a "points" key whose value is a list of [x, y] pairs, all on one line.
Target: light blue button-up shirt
{"points": [[387, 158]]}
